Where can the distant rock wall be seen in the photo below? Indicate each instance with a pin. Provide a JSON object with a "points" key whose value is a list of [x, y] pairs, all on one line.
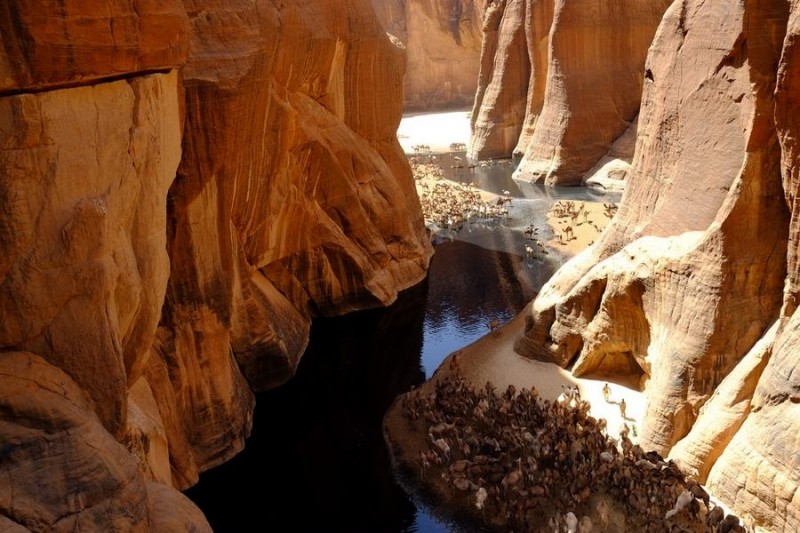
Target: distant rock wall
{"points": [[184, 187], [694, 282], [443, 44], [560, 82]]}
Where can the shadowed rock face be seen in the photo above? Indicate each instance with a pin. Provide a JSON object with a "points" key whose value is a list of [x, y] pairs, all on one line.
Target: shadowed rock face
{"points": [[560, 82], [185, 186], [62, 471], [443, 44], [695, 280]]}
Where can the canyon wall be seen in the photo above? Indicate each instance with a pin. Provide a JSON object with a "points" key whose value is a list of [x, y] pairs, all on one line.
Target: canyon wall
{"points": [[443, 44], [185, 186], [560, 82], [692, 289]]}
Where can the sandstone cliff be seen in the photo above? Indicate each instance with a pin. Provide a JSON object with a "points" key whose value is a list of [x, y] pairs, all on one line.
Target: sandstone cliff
{"points": [[560, 82], [693, 286], [443, 44], [185, 186]]}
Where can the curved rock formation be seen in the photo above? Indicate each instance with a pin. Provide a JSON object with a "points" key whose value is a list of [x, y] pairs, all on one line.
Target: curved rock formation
{"points": [[62, 471], [443, 43], [560, 82], [185, 186], [691, 287], [505, 74]]}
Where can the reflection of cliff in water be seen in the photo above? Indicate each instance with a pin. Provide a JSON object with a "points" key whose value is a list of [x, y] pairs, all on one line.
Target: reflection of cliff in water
{"points": [[469, 286], [317, 450]]}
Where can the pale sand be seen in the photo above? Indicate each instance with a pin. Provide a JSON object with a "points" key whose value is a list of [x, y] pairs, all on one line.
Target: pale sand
{"points": [[585, 229], [492, 358], [436, 130], [427, 174]]}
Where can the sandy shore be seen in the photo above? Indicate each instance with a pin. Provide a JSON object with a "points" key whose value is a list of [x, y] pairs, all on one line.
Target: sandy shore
{"points": [[577, 224], [492, 358]]}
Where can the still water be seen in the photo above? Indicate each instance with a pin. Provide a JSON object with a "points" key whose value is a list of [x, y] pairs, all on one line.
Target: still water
{"points": [[316, 452]]}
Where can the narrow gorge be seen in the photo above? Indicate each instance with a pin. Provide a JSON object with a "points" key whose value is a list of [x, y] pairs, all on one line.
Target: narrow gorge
{"points": [[186, 186]]}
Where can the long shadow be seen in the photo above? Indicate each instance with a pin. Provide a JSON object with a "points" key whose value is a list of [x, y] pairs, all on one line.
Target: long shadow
{"points": [[317, 453]]}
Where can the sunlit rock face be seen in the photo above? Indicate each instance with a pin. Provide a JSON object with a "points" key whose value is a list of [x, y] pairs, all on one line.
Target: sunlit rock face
{"points": [[443, 43], [84, 177], [693, 286], [184, 187], [293, 199], [560, 82]]}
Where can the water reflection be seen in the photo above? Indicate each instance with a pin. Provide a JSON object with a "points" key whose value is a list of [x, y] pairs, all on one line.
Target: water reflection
{"points": [[469, 286], [317, 452], [495, 177]]}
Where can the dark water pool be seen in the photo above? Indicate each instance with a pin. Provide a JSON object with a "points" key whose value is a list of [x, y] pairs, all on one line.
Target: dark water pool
{"points": [[316, 456]]}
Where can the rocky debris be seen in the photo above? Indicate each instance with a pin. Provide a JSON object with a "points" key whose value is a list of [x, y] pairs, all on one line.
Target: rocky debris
{"points": [[519, 462]]}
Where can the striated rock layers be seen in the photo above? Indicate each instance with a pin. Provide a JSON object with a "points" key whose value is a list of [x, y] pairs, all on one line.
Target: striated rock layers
{"points": [[443, 44], [184, 187], [693, 286], [560, 82]]}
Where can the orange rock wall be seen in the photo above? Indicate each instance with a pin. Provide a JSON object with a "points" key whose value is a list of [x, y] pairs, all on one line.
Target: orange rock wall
{"points": [[443, 44], [185, 186]]}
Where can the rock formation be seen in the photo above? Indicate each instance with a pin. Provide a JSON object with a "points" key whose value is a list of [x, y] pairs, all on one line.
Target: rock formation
{"points": [[185, 186], [560, 82], [693, 286], [443, 44]]}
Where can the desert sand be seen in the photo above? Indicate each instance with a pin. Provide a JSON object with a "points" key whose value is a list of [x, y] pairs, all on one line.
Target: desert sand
{"points": [[576, 224], [436, 131]]}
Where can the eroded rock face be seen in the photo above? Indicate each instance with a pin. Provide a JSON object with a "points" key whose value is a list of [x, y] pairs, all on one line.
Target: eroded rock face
{"points": [[683, 287], [185, 186], [60, 470], [293, 199], [45, 45], [505, 72], [560, 82], [84, 175], [443, 45]]}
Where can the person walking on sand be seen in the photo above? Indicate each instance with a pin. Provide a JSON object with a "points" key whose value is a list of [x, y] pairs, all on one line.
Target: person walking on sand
{"points": [[622, 408], [606, 392]]}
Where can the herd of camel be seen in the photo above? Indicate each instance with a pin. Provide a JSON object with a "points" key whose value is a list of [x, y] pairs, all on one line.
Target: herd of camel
{"points": [[519, 462]]}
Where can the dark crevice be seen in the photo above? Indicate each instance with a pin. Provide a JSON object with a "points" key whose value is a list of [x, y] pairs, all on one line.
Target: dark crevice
{"points": [[89, 82]]}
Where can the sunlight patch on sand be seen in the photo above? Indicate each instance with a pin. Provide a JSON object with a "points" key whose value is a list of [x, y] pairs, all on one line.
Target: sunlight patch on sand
{"points": [[435, 130]]}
